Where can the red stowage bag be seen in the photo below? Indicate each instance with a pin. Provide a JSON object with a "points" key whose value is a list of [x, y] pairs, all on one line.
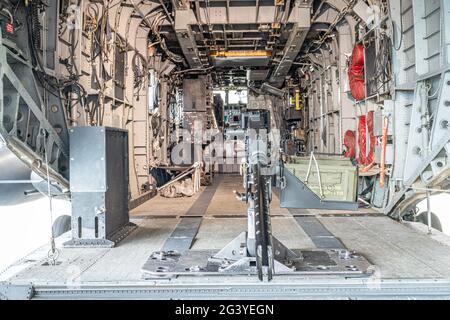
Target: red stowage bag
{"points": [[350, 144], [362, 140], [370, 119], [358, 55], [356, 73], [358, 88], [366, 123]]}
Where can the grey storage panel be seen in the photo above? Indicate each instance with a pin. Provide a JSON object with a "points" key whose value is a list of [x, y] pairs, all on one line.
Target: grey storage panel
{"points": [[99, 185], [195, 94]]}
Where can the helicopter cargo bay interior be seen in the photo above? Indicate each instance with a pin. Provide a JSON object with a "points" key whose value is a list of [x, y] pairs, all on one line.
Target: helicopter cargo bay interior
{"points": [[225, 149]]}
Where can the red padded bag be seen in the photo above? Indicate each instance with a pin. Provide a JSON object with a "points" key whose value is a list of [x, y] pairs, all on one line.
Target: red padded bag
{"points": [[356, 73]]}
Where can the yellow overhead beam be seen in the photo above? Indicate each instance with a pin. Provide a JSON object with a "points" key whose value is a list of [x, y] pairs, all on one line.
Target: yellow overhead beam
{"points": [[298, 100], [241, 53]]}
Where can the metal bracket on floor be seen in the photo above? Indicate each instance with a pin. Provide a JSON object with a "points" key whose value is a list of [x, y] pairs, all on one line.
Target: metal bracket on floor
{"points": [[113, 240], [296, 195], [9, 291], [233, 260]]}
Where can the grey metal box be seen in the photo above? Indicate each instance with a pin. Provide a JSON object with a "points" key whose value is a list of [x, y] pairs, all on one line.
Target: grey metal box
{"points": [[378, 121], [99, 185], [195, 94], [389, 159]]}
